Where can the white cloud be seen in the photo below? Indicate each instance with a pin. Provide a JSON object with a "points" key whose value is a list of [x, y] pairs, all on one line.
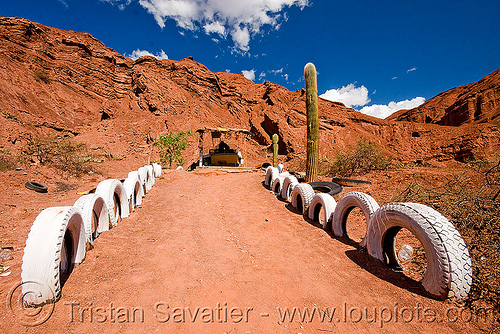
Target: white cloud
{"points": [[241, 38], [215, 27], [411, 70], [64, 3], [121, 3], [239, 19], [136, 54], [250, 75], [349, 95], [262, 75], [383, 111], [277, 71], [394, 78]]}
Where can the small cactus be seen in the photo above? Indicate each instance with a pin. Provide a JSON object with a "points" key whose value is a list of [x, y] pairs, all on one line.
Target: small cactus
{"points": [[275, 150], [312, 122]]}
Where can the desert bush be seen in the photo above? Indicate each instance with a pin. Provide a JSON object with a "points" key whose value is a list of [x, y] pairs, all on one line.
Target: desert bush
{"points": [[171, 146], [471, 200], [64, 154], [42, 76], [361, 158], [6, 162]]}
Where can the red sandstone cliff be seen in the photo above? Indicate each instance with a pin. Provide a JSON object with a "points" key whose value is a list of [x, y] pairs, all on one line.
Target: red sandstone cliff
{"points": [[69, 83], [478, 102]]}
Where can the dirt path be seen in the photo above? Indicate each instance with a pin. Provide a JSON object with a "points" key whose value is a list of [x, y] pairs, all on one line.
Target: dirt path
{"points": [[216, 252]]}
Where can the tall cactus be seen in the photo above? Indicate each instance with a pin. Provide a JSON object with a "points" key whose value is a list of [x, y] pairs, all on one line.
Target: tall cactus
{"points": [[312, 122], [275, 150]]}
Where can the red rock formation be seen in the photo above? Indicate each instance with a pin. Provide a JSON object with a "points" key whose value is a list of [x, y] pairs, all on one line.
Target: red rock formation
{"points": [[69, 83], [478, 102]]}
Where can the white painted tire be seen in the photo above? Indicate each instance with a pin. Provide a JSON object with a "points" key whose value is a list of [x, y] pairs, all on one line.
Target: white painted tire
{"points": [[271, 174], [156, 169], [53, 230], [284, 174], [95, 215], [344, 207], [143, 178], [302, 196], [288, 184], [142, 182], [322, 204], [280, 168], [158, 166], [449, 268], [151, 178], [276, 186], [134, 190], [115, 196]]}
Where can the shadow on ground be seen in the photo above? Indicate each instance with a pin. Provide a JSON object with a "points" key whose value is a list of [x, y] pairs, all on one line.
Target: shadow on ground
{"points": [[363, 260]]}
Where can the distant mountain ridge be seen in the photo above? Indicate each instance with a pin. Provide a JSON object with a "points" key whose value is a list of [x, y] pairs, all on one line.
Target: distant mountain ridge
{"points": [[478, 102]]}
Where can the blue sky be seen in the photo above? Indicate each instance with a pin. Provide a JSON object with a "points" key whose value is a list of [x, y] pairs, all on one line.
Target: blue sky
{"points": [[376, 56]]}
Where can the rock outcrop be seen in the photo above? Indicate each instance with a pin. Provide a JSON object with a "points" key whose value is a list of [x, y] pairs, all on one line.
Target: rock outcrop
{"points": [[68, 83], [478, 102]]}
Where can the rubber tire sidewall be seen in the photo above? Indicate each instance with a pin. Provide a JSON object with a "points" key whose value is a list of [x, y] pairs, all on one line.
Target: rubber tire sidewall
{"points": [[42, 254], [328, 205], [437, 278], [345, 205]]}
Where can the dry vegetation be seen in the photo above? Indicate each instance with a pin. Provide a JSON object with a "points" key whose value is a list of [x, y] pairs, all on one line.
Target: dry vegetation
{"points": [[361, 158], [42, 76], [6, 161], [64, 154], [471, 200]]}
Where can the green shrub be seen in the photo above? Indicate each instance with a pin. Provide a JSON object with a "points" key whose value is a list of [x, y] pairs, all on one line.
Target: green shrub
{"points": [[171, 146], [471, 200], [361, 158]]}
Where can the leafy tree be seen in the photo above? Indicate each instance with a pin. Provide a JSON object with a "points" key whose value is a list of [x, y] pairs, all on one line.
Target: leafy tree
{"points": [[171, 146]]}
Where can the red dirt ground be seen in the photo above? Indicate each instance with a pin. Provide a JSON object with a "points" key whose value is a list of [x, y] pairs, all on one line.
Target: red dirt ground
{"points": [[205, 244]]}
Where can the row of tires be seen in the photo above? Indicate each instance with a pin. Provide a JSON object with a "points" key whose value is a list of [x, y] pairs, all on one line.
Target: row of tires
{"points": [[449, 268], [61, 236]]}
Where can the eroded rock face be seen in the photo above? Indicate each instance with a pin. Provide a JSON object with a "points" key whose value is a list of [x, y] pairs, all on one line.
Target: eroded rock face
{"points": [[69, 83], [478, 102]]}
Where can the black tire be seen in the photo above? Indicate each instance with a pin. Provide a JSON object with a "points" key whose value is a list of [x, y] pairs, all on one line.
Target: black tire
{"points": [[38, 187], [265, 165], [330, 188], [350, 182]]}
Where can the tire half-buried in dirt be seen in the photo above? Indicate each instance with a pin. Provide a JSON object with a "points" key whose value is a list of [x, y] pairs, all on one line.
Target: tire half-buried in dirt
{"points": [[56, 242], [449, 268], [95, 215], [330, 188], [321, 209], [287, 187], [271, 174], [350, 182], [302, 195], [277, 184], [115, 196], [344, 207]]}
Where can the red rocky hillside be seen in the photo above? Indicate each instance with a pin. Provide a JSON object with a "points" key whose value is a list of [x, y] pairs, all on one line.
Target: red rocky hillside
{"points": [[478, 102], [69, 83]]}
